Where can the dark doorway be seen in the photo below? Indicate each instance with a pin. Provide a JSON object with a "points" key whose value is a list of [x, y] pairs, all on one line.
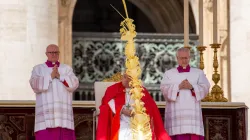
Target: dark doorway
{"points": [[99, 16]]}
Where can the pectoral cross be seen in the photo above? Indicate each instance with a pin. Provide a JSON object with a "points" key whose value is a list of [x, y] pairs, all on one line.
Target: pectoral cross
{"points": [[127, 98], [128, 106]]}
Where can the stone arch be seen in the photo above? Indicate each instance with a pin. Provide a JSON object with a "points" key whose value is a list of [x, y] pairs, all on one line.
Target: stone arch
{"points": [[166, 17]]}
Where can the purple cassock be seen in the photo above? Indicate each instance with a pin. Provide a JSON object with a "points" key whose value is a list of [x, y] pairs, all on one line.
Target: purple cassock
{"points": [[55, 134], [187, 137]]}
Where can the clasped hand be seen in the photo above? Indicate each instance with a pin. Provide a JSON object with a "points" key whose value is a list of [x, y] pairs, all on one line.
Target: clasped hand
{"points": [[127, 112], [185, 85], [55, 73]]}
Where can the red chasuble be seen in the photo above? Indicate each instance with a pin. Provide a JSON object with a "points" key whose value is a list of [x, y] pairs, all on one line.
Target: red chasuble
{"points": [[109, 123]]}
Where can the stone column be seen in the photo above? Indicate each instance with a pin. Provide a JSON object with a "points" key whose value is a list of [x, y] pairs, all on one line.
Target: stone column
{"points": [[240, 51], [26, 28], [66, 9]]}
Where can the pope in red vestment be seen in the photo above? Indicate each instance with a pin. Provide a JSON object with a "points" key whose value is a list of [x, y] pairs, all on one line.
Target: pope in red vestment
{"points": [[109, 122]]}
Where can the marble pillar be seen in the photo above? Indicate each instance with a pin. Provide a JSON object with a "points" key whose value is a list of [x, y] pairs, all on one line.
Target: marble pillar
{"points": [[26, 28], [240, 51], [66, 9]]}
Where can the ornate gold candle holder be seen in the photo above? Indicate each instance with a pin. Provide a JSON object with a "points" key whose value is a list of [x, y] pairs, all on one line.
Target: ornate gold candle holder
{"points": [[216, 94], [201, 49]]}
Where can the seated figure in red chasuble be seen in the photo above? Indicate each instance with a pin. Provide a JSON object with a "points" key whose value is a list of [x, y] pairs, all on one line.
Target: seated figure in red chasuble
{"points": [[115, 114]]}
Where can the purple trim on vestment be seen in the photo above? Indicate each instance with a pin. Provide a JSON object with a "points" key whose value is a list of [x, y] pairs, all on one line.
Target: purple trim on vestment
{"points": [[50, 64], [181, 69]]}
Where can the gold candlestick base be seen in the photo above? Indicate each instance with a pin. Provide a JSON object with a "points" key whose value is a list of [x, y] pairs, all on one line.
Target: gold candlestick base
{"points": [[216, 94]]}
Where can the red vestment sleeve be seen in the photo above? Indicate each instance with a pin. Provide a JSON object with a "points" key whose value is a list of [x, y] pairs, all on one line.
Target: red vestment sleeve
{"points": [[158, 130], [115, 126], [65, 83], [108, 123], [193, 93], [104, 119]]}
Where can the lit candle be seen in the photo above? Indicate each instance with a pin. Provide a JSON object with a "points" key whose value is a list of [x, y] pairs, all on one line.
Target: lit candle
{"points": [[201, 22], [186, 23], [215, 28]]}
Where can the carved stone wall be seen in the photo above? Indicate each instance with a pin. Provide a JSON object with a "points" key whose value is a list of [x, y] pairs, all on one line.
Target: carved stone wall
{"points": [[97, 56], [18, 123], [225, 124]]}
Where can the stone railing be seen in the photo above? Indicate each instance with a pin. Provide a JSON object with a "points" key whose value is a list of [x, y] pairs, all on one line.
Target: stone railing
{"points": [[97, 56]]}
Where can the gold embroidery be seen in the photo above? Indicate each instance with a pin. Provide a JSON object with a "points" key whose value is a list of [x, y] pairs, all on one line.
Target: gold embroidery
{"points": [[115, 78]]}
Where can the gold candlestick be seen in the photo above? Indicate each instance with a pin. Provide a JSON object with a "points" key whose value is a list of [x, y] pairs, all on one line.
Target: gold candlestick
{"points": [[201, 49], [187, 47], [208, 98], [216, 94]]}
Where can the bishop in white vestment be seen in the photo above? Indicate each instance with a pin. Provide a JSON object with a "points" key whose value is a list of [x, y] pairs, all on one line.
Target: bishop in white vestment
{"points": [[53, 84], [184, 88]]}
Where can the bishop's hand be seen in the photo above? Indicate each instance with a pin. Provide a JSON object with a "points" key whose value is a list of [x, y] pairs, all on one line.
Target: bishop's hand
{"points": [[55, 73], [127, 112], [182, 85], [185, 85]]}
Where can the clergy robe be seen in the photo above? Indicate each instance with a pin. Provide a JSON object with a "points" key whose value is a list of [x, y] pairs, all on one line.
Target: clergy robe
{"points": [[183, 108], [53, 101], [112, 125]]}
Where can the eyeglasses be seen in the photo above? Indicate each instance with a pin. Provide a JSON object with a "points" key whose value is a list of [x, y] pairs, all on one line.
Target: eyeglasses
{"points": [[55, 53], [183, 58]]}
